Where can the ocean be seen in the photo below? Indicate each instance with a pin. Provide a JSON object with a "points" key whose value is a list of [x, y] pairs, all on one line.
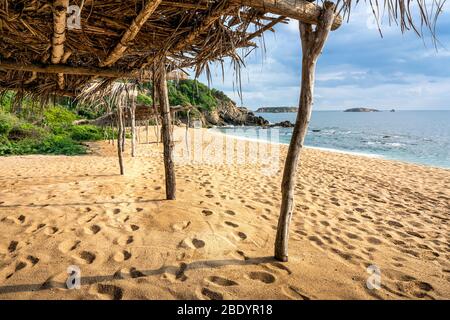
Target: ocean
{"points": [[421, 137]]}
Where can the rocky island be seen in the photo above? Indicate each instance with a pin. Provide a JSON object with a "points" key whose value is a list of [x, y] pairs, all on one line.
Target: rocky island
{"points": [[361, 110], [276, 109]]}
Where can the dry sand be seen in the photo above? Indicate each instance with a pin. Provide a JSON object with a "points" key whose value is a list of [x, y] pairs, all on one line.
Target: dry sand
{"points": [[216, 240]]}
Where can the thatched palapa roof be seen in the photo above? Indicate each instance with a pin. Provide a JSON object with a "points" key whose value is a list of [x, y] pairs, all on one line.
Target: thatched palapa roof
{"points": [[41, 53]]}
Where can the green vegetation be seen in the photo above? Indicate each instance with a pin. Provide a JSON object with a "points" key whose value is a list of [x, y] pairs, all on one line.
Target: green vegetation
{"points": [[53, 133], [32, 129], [192, 92]]}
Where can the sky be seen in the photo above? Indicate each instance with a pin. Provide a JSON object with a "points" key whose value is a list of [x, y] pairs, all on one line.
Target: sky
{"points": [[358, 68]]}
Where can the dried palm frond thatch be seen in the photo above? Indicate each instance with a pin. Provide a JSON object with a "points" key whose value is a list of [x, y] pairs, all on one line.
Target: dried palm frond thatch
{"points": [[119, 39]]}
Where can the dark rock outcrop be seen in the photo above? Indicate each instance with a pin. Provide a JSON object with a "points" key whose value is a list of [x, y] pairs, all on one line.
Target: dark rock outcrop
{"points": [[361, 110], [283, 124], [227, 113], [276, 109]]}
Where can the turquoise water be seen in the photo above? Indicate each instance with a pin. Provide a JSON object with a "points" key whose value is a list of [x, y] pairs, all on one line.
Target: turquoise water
{"points": [[421, 137]]}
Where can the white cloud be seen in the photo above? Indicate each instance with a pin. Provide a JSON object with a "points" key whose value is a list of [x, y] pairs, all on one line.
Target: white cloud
{"points": [[357, 68]]}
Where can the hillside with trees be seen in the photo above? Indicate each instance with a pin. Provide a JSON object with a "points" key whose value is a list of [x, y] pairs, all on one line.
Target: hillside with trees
{"points": [[27, 127]]}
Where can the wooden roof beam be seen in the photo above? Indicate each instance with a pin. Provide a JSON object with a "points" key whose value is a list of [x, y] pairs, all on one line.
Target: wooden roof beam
{"points": [[59, 35], [81, 71], [301, 10], [62, 93], [131, 33]]}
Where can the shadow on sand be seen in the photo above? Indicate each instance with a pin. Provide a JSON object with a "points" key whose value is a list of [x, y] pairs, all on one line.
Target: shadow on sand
{"points": [[177, 271]]}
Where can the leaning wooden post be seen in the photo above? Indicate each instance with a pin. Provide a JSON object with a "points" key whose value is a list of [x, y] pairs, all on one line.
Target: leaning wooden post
{"points": [[146, 132], [133, 126], [119, 137], [161, 87], [312, 45]]}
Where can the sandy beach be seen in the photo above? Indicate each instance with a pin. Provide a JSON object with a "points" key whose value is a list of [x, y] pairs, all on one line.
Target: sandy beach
{"points": [[216, 240]]}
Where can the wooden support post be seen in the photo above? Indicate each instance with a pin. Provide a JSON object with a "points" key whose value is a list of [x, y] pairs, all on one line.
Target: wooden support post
{"points": [[59, 36], [120, 137], [124, 133], [59, 29], [133, 126], [161, 87], [146, 132], [312, 45]]}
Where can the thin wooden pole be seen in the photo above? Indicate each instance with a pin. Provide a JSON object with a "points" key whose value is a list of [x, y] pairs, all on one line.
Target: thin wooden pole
{"points": [[124, 132], [146, 132], [312, 45], [133, 126], [161, 85], [119, 138]]}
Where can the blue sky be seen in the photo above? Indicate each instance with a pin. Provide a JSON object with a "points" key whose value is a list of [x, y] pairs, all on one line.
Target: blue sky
{"points": [[358, 68]]}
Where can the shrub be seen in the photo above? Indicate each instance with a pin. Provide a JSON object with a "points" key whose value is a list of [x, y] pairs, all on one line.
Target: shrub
{"points": [[61, 144], [86, 133], [58, 119], [7, 122], [146, 100], [6, 100], [22, 130]]}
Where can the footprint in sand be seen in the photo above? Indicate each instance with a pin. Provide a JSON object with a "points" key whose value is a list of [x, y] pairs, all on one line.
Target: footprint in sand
{"points": [[395, 224], [132, 227], [68, 245], [294, 293], [33, 260], [418, 289], [94, 229], [242, 255], [122, 256], [180, 273], [87, 256], [192, 243], [13, 246], [35, 228], [124, 240], [135, 273], [242, 236], [112, 292], [19, 266], [373, 240], [230, 212], [86, 219], [262, 276], [19, 220], [51, 231], [281, 266], [211, 295], [181, 226], [223, 282], [207, 213], [231, 224]]}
